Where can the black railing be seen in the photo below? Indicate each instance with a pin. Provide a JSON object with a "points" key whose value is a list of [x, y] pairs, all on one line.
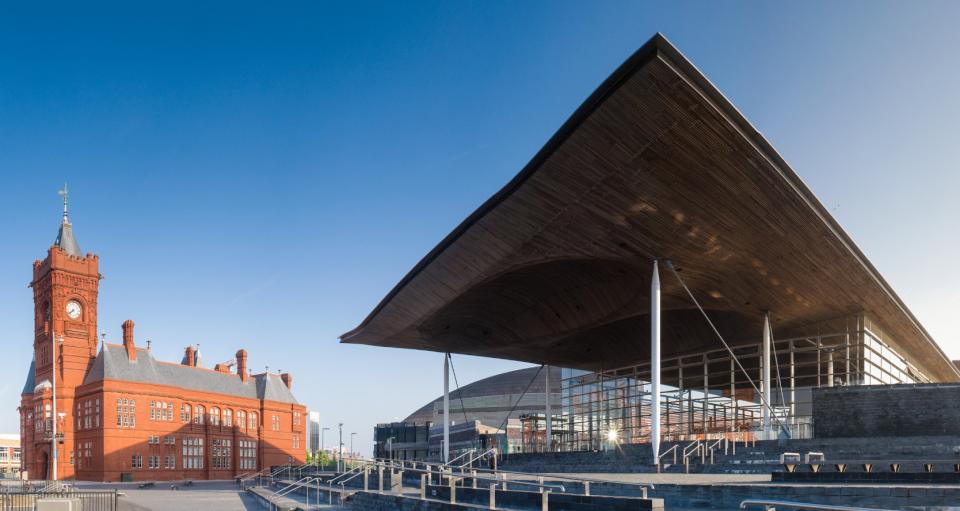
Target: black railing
{"points": [[90, 500]]}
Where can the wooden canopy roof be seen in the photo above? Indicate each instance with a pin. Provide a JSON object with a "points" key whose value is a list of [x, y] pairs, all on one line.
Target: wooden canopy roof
{"points": [[555, 268]]}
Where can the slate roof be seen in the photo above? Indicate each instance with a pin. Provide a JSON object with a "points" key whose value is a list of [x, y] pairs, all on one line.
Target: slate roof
{"points": [[31, 380], [112, 364], [66, 241]]}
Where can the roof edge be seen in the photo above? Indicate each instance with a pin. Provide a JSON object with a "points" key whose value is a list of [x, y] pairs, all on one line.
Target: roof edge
{"points": [[624, 72], [658, 45]]}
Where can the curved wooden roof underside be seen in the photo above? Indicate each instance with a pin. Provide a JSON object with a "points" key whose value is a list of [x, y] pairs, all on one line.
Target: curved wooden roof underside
{"points": [[555, 268]]}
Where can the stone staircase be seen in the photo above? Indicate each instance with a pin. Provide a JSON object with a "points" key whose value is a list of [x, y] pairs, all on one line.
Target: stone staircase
{"points": [[760, 458]]}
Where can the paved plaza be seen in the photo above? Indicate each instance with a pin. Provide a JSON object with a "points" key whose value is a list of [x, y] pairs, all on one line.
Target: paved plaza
{"points": [[201, 495]]}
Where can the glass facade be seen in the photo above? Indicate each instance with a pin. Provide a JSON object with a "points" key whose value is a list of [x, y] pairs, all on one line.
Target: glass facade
{"points": [[710, 394]]}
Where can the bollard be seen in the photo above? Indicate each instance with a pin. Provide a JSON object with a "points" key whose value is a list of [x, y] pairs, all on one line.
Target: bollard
{"points": [[423, 486], [474, 474], [453, 491], [493, 495], [586, 488], [504, 482], [711, 456], [366, 477], [545, 501], [380, 478], [540, 482]]}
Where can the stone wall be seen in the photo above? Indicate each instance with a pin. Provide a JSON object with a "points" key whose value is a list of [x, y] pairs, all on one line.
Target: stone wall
{"points": [[887, 411]]}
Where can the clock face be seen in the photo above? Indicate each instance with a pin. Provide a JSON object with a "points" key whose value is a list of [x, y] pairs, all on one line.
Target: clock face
{"points": [[73, 309]]}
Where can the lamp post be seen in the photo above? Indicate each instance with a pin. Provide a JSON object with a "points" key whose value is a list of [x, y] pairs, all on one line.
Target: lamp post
{"points": [[322, 448], [340, 447], [351, 445], [53, 413]]}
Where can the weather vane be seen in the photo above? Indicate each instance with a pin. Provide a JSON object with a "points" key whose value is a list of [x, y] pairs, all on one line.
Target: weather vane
{"points": [[65, 194]]}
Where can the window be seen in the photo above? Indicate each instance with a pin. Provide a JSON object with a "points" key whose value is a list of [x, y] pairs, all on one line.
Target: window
{"points": [[275, 422], [136, 461], [228, 417], [170, 462], [254, 423], [222, 453], [153, 440], [84, 454], [192, 453], [88, 414], [241, 419], [16, 454], [198, 414], [161, 411], [3, 454], [126, 413], [296, 418], [153, 462], [214, 416], [170, 440], [248, 454], [296, 441], [72, 458], [185, 413]]}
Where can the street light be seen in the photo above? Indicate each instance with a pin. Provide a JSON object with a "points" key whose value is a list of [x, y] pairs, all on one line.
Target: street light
{"points": [[54, 340], [322, 448], [351, 444], [340, 448]]}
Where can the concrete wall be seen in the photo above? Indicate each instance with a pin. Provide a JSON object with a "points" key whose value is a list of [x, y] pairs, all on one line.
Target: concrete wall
{"points": [[887, 411]]}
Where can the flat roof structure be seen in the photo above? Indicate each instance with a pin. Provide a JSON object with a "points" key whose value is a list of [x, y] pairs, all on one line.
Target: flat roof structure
{"points": [[655, 164]]}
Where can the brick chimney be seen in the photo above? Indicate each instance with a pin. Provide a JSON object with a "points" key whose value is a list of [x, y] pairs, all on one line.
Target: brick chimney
{"points": [[190, 356], [287, 379], [128, 340], [242, 365]]}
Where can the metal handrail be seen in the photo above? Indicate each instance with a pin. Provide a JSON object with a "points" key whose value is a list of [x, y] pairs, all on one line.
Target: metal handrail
{"points": [[770, 504], [586, 482], [686, 450], [488, 479], [290, 487], [674, 448], [477, 457], [450, 463], [362, 466]]}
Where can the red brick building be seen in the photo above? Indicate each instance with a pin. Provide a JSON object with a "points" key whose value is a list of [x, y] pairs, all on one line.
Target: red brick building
{"points": [[124, 415]]}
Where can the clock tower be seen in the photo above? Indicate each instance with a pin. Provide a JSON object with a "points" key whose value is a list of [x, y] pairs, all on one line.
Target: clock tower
{"points": [[65, 286]]}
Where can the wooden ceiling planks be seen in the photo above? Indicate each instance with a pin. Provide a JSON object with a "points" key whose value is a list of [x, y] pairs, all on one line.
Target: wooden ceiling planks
{"points": [[555, 267]]}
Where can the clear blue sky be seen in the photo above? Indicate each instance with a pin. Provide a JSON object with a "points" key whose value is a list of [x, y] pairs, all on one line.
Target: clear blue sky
{"points": [[260, 177]]}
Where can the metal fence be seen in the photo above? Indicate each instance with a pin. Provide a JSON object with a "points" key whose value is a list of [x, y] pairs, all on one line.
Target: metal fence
{"points": [[103, 500]]}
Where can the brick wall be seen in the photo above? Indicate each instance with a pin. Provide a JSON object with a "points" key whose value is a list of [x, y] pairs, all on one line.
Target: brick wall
{"points": [[887, 410]]}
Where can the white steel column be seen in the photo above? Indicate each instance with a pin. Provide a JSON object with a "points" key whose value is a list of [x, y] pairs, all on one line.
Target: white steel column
{"points": [[655, 363], [830, 368], [546, 409], [446, 407], [765, 377]]}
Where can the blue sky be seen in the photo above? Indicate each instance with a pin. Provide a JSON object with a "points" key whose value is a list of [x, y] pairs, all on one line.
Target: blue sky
{"points": [[260, 177]]}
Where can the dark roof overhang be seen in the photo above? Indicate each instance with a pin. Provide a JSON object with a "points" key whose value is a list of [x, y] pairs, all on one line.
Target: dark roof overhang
{"points": [[555, 267]]}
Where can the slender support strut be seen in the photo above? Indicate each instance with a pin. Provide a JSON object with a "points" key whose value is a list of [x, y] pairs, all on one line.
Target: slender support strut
{"points": [[655, 363], [546, 412], [446, 408], [765, 377]]}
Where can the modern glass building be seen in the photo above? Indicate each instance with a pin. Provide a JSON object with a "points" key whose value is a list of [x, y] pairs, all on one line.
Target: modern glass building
{"points": [[660, 249]]}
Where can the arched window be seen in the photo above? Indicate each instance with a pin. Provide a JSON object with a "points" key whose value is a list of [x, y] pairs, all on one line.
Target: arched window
{"points": [[241, 419], [228, 418], [185, 413], [214, 416], [198, 414], [253, 420]]}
